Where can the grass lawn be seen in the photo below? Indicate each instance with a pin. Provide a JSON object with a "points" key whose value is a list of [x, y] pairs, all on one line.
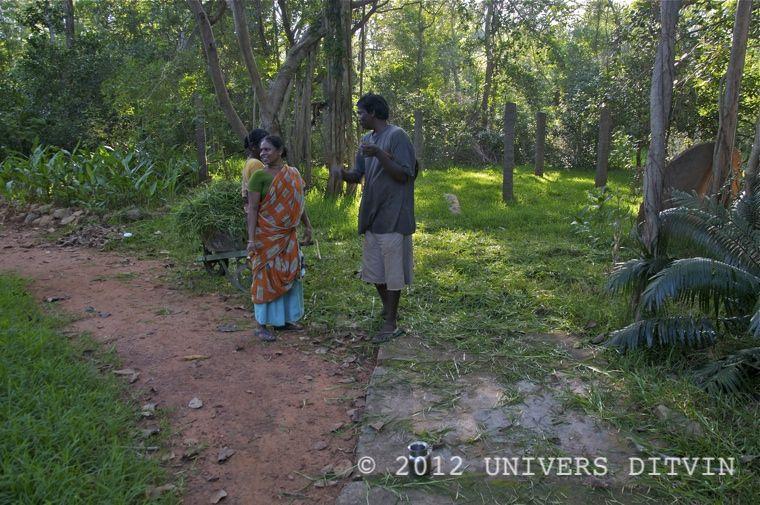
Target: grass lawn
{"points": [[67, 435], [488, 278]]}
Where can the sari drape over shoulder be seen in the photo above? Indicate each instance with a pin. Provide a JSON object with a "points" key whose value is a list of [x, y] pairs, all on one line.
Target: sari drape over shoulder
{"points": [[276, 263]]}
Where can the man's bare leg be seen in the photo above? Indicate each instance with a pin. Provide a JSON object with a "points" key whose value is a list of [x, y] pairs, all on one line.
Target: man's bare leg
{"points": [[383, 292], [391, 316]]}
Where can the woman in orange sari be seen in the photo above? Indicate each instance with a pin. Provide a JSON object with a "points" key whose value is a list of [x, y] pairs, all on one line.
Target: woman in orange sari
{"points": [[275, 207]]}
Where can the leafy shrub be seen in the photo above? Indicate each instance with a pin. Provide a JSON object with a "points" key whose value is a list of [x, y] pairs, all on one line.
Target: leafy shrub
{"points": [[606, 215], [212, 208], [709, 288], [102, 178]]}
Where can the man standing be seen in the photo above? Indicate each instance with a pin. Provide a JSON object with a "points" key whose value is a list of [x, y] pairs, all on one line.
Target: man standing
{"points": [[387, 161]]}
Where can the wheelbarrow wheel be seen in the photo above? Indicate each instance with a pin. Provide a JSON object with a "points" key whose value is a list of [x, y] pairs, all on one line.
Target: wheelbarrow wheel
{"points": [[215, 267], [241, 276]]}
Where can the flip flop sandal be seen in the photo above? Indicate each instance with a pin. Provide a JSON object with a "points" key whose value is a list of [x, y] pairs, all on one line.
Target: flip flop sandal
{"points": [[264, 335], [384, 336]]}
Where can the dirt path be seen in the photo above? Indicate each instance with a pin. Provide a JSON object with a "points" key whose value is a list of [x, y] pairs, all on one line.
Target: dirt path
{"points": [[270, 403]]}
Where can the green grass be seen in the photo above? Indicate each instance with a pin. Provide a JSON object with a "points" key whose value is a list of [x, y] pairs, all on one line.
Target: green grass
{"points": [[485, 280], [67, 435], [490, 272]]}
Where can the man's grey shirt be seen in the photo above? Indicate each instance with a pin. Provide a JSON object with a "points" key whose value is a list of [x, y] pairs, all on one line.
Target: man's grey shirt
{"points": [[387, 205]]}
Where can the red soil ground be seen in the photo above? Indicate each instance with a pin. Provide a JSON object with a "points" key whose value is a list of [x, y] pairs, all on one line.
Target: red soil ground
{"points": [[270, 403]]}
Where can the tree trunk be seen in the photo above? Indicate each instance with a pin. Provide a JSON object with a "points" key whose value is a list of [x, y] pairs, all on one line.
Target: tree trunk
{"points": [[603, 148], [487, 84], [49, 23], [215, 69], [338, 91], [540, 142], [272, 99], [200, 138], [68, 21], [419, 139], [510, 120], [729, 105], [301, 141], [659, 116], [750, 174]]}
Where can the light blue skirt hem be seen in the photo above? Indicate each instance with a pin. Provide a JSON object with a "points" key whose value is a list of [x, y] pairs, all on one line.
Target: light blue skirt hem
{"points": [[286, 309]]}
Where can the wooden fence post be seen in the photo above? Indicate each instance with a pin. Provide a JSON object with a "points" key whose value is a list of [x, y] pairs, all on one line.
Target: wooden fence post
{"points": [[540, 142], [510, 118]]}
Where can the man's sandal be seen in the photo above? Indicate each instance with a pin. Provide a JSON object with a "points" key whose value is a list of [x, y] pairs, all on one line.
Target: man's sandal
{"points": [[386, 335]]}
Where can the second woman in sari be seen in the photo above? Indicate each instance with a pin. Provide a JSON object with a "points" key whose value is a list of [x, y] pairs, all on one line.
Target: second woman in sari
{"points": [[275, 207]]}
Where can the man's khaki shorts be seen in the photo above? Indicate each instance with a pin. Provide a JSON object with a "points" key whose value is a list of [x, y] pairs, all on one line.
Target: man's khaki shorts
{"points": [[387, 259]]}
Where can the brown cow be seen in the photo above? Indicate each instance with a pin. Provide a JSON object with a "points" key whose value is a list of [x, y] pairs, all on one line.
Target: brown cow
{"points": [[692, 171]]}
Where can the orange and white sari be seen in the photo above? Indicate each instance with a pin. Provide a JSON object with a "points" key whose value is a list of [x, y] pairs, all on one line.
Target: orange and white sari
{"points": [[276, 264]]}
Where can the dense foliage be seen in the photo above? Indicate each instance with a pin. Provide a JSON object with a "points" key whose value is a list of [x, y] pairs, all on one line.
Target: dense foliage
{"points": [[98, 178], [135, 74], [702, 286]]}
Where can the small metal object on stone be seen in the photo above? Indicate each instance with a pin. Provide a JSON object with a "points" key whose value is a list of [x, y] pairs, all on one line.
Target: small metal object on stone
{"points": [[419, 458]]}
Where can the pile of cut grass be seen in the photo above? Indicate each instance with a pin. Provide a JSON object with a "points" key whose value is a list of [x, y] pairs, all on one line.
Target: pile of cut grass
{"points": [[67, 436]]}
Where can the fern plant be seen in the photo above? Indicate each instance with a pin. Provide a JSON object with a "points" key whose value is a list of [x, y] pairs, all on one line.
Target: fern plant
{"points": [[709, 267]]}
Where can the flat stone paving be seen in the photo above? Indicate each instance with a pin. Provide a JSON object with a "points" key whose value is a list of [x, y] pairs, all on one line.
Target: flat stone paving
{"points": [[474, 420]]}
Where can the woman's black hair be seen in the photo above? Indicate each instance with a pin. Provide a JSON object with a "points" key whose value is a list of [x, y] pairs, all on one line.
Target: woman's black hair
{"points": [[376, 104], [253, 139], [277, 143]]}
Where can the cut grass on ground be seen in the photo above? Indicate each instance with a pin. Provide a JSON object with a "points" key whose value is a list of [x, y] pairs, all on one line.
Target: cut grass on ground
{"points": [[67, 435], [489, 277]]}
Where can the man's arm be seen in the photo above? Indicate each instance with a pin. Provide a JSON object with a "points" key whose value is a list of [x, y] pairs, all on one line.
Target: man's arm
{"points": [[395, 170], [399, 163], [354, 176]]}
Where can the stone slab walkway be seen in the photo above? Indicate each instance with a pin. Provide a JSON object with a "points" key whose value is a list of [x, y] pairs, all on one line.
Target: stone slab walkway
{"points": [[487, 434]]}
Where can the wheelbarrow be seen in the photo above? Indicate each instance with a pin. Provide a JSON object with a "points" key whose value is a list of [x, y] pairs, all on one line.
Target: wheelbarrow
{"points": [[226, 256]]}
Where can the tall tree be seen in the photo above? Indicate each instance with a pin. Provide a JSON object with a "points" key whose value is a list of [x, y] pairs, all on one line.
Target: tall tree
{"points": [[750, 175], [660, 96], [338, 121], [271, 99], [68, 21], [489, 32], [729, 105]]}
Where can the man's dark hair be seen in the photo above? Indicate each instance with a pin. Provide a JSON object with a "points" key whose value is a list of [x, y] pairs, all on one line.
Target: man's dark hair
{"points": [[277, 143], [254, 138], [376, 104]]}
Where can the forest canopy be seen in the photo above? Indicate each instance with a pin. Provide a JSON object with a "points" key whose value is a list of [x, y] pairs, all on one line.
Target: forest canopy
{"points": [[133, 74]]}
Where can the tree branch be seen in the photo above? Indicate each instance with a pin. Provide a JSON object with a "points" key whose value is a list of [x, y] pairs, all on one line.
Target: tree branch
{"points": [[363, 21], [244, 40], [295, 55], [215, 69], [286, 24], [222, 10]]}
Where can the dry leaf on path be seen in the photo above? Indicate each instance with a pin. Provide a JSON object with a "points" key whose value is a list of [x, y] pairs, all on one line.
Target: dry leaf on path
{"points": [[155, 492], [148, 410], [343, 468], [194, 357], [224, 454], [53, 299], [218, 496]]}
